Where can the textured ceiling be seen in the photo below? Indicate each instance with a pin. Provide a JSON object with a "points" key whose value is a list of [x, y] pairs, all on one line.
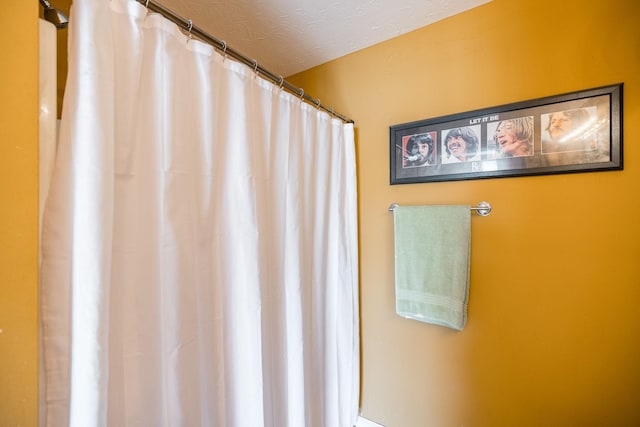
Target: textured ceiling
{"points": [[289, 36]]}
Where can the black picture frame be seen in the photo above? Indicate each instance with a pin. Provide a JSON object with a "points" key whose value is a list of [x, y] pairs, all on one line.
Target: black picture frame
{"points": [[519, 139]]}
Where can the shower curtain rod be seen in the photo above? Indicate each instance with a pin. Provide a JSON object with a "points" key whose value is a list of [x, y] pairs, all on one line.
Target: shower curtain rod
{"points": [[221, 45]]}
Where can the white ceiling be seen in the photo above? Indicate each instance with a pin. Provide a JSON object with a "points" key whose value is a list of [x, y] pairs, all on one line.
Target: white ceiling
{"points": [[289, 36]]}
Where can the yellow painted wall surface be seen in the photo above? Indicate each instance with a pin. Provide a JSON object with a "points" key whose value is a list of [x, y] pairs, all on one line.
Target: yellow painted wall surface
{"points": [[553, 337], [19, 214]]}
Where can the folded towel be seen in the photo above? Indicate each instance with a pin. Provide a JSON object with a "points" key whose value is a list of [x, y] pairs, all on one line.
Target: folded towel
{"points": [[432, 245]]}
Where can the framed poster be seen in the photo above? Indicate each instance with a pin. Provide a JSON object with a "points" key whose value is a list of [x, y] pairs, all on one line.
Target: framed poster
{"points": [[574, 132]]}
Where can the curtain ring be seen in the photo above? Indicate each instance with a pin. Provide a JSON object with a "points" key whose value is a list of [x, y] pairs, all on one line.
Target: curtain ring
{"points": [[146, 4], [301, 93], [318, 103], [255, 66], [281, 81]]}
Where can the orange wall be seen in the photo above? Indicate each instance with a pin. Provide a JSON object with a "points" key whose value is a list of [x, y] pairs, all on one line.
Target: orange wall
{"points": [[553, 337], [19, 214]]}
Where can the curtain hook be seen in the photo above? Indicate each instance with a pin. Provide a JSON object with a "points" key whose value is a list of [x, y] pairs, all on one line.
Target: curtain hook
{"points": [[224, 49], [189, 27], [281, 81], [301, 93], [255, 66], [318, 103], [146, 5]]}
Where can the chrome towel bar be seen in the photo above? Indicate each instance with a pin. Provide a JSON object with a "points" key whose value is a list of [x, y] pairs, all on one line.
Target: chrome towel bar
{"points": [[483, 208]]}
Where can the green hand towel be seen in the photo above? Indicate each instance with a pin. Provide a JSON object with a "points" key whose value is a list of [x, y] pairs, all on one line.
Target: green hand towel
{"points": [[432, 251]]}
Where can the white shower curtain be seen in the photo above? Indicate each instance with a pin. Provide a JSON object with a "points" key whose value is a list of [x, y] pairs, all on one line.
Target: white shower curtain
{"points": [[199, 248]]}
